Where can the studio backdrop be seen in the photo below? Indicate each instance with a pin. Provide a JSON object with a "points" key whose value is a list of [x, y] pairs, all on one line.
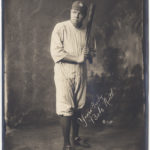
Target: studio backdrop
{"points": [[116, 89]]}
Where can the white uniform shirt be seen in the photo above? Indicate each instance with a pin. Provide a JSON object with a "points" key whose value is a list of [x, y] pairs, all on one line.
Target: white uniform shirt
{"points": [[67, 39]]}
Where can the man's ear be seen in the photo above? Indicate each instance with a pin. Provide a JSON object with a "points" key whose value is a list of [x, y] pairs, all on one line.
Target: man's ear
{"points": [[84, 15]]}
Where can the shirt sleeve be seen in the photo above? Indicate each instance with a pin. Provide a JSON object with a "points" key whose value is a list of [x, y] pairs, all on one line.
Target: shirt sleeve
{"points": [[56, 47]]}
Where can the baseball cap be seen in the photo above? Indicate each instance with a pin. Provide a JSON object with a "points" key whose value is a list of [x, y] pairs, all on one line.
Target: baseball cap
{"points": [[78, 5]]}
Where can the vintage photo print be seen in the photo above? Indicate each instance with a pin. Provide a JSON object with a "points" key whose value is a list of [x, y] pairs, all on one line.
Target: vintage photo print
{"points": [[75, 75]]}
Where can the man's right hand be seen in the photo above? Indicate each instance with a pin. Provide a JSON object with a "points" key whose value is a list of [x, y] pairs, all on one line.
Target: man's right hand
{"points": [[81, 58], [83, 55]]}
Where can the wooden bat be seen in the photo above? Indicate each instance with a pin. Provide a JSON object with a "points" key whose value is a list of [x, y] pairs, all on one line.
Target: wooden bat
{"points": [[89, 26]]}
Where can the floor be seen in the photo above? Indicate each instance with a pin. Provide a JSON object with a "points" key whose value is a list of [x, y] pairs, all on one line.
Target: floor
{"points": [[50, 138]]}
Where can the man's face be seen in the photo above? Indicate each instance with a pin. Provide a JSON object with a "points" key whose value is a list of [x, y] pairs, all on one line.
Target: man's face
{"points": [[76, 17]]}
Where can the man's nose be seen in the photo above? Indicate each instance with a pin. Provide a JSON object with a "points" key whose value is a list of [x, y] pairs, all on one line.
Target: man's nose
{"points": [[77, 15]]}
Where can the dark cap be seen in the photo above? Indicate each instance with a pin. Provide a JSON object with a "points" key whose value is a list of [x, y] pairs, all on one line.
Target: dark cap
{"points": [[78, 5]]}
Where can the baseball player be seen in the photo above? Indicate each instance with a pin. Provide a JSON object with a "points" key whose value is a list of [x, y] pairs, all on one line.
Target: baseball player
{"points": [[69, 52]]}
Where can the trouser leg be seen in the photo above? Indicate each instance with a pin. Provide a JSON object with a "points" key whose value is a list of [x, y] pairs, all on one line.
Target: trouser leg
{"points": [[65, 122]]}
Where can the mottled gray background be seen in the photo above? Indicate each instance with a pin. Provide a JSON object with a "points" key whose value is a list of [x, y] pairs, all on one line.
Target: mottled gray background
{"points": [[30, 89]]}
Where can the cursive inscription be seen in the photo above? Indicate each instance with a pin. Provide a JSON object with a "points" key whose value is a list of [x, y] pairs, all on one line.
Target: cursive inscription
{"points": [[96, 109]]}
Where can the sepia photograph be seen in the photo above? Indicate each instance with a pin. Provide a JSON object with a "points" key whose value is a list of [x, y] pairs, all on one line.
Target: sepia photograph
{"points": [[75, 75]]}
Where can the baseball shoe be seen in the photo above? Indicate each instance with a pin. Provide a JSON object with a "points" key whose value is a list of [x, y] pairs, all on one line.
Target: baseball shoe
{"points": [[80, 142]]}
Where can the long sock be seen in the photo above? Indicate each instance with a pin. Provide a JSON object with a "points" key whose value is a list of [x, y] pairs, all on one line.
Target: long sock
{"points": [[75, 128], [75, 125], [65, 122]]}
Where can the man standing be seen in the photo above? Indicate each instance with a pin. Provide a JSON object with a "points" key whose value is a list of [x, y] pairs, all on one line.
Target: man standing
{"points": [[69, 52]]}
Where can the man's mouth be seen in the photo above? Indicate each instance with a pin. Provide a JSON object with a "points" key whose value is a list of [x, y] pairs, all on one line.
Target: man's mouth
{"points": [[74, 19]]}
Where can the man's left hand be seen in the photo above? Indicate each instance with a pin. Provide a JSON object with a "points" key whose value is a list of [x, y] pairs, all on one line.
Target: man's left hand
{"points": [[86, 52], [89, 52]]}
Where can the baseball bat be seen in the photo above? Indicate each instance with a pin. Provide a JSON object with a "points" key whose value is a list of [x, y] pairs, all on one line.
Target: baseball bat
{"points": [[89, 26]]}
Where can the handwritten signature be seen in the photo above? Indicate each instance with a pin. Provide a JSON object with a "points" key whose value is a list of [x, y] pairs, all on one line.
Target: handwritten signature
{"points": [[96, 109]]}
